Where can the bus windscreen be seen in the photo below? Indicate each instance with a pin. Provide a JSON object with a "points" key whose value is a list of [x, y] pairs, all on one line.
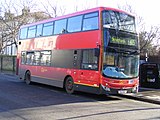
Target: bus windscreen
{"points": [[119, 21]]}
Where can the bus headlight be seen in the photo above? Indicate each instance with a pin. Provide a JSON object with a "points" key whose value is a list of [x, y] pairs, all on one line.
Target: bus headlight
{"points": [[106, 88]]}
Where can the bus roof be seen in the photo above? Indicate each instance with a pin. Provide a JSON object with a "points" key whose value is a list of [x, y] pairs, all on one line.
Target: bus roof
{"points": [[74, 14]]}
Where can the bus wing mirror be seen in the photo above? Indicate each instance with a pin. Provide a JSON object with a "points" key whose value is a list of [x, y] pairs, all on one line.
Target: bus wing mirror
{"points": [[97, 52]]}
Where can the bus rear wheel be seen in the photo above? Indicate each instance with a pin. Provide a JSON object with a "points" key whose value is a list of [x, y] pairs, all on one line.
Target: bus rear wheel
{"points": [[69, 85], [28, 78]]}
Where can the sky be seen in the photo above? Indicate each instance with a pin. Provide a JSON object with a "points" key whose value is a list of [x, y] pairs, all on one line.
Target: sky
{"points": [[147, 9]]}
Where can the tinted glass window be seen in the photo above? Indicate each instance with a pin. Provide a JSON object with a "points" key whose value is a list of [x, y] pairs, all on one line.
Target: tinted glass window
{"points": [[23, 57], [90, 24], [109, 59], [120, 65], [90, 21], [91, 15], [118, 20], [46, 58], [48, 29], [31, 32], [60, 26], [39, 30], [74, 24], [30, 58], [106, 18], [89, 61], [23, 33], [37, 58]]}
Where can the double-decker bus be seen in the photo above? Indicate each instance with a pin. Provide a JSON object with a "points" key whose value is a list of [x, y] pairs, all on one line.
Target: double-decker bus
{"points": [[94, 50]]}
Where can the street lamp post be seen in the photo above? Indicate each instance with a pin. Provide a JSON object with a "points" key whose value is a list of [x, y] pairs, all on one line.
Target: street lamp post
{"points": [[146, 55]]}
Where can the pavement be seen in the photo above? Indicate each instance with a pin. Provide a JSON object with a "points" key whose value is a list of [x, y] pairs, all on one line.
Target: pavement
{"points": [[150, 95]]}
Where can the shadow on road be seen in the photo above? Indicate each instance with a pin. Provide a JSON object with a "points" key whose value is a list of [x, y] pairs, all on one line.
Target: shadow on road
{"points": [[78, 94], [15, 94]]}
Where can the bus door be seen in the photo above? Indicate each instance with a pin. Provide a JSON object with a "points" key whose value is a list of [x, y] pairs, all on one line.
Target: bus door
{"points": [[88, 74]]}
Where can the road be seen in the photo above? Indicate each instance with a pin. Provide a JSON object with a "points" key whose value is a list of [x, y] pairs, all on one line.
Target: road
{"points": [[19, 101]]}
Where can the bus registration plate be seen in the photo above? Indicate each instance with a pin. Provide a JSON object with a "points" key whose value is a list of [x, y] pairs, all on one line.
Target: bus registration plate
{"points": [[122, 91]]}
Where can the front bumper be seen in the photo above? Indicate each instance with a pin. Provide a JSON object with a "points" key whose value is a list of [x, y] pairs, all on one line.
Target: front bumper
{"points": [[120, 91]]}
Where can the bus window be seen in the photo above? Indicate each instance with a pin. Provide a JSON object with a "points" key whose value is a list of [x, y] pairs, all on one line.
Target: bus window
{"points": [[46, 58], [30, 58], [23, 57], [89, 60], [37, 58], [60, 26], [48, 29], [74, 24], [39, 30], [23, 33], [90, 21], [107, 18], [109, 60], [31, 32]]}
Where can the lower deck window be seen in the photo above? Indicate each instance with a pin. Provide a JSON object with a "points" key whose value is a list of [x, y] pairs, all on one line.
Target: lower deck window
{"points": [[36, 58], [89, 60], [46, 58]]}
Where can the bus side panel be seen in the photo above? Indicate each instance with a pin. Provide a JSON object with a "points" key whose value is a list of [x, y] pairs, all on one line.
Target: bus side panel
{"points": [[63, 63], [46, 75], [50, 76], [81, 40], [88, 81]]}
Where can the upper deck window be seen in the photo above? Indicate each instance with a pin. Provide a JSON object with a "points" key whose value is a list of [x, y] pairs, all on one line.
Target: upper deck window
{"points": [[90, 15], [39, 30], [60, 26], [74, 24], [23, 33], [90, 21], [119, 21], [48, 29], [77, 23], [126, 22], [32, 32]]}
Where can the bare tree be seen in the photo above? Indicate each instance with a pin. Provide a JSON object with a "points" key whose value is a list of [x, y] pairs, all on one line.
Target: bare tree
{"points": [[82, 6], [10, 23], [86, 5], [75, 8], [127, 8], [52, 8], [139, 20], [62, 10], [149, 39]]}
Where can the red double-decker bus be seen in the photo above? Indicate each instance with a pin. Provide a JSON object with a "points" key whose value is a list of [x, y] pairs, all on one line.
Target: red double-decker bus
{"points": [[95, 51]]}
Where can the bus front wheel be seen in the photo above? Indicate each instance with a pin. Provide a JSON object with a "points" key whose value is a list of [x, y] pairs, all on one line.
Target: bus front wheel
{"points": [[28, 78], [69, 85]]}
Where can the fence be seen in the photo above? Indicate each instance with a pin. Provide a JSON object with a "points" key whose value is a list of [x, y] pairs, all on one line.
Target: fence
{"points": [[7, 63]]}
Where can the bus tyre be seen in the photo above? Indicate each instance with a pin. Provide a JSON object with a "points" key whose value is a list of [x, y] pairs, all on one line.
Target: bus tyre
{"points": [[28, 78], [69, 85]]}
